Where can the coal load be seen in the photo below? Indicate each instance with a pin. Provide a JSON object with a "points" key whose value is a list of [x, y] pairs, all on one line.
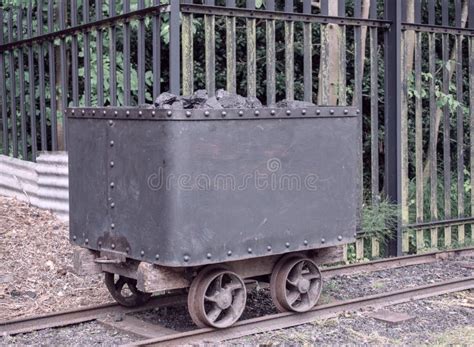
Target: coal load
{"points": [[201, 100], [222, 100]]}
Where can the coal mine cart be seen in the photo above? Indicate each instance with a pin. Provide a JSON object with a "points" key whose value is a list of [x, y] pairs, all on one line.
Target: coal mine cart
{"points": [[208, 200]]}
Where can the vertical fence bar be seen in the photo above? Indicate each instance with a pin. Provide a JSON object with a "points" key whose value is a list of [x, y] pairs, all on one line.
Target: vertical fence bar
{"points": [[404, 144], [446, 129], [417, 9], [393, 83], [210, 44], [403, 4], [64, 70], [324, 69], [52, 78], [432, 152], [3, 89], [308, 54], [188, 52], [12, 76], [230, 39], [374, 118], [358, 61], [99, 55], [31, 81], [374, 106], [175, 47], [41, 86], [271, 55], [251, 52], [87, 55], [157, 52], [460, 123], [113, 56], [141, 56], [75, 56], [471, 108], [127, 99], [357, 101], [324, 7], [418, 142], [289, 53], [419, 180], [21, 67], [342, 94]]}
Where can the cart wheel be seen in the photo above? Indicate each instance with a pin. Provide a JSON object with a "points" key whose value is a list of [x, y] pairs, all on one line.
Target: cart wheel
{"points": [[296, 284], [124, 290], [276, 270], [216, 298]]}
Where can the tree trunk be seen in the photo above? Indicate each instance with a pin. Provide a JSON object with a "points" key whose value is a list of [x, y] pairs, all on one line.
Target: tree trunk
{"points": [[333, 37], [410, 35], [333, 62]]}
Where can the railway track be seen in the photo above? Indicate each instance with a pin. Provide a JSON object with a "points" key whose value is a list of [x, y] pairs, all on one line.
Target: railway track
{"points": [[154, 335], [287, 320]]}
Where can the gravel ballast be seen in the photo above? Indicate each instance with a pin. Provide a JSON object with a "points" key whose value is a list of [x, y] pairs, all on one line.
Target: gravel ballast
{"points": [[353, 286], [86, 334], [446, 319]]}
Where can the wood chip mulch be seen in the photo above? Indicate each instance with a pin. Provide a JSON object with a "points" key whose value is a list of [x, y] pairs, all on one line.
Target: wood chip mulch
{"points": [[36, 265]]}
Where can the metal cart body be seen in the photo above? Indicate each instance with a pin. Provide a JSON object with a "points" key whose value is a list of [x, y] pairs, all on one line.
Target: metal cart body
{"points": [[187, 188]]}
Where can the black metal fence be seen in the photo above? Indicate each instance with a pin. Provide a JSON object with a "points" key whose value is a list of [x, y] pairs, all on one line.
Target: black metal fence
{"points": [[55, 54], [437, 85]]}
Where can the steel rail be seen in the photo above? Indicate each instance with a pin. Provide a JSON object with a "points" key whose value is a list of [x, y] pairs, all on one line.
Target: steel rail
{"points": [[70, 317], [391, 263], [287, 320], [87, 314]]}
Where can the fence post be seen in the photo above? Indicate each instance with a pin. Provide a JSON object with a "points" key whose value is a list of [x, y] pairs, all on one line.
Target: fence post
{"points": [[3, 91], [175, 47], [393, 13]]}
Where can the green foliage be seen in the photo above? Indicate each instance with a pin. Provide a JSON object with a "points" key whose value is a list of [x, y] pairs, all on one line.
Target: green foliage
{"points": [[379, 220]]}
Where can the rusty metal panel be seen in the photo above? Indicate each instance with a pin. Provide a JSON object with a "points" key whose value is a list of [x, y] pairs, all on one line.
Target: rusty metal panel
{"points": [[186, 188]]}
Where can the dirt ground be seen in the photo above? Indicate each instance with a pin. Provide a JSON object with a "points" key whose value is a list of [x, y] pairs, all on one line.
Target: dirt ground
{"points": [[36, 265]]}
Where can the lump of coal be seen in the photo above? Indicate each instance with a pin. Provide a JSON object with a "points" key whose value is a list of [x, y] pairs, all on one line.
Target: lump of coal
{"points": [[165, 99], [196, 100], [212, 103], [177, 105], [294, 104], [253, 102], [200, 96], [233, 101]]}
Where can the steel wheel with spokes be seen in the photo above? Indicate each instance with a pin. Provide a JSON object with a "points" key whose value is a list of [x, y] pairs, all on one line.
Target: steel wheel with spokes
{"points": [[276, 270], [296, 285], [124, 290], [216, 298]]}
